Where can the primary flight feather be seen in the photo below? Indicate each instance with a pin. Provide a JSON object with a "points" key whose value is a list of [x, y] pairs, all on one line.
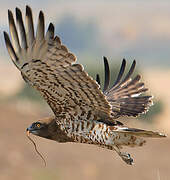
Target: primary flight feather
{"points": [[82, 112]]}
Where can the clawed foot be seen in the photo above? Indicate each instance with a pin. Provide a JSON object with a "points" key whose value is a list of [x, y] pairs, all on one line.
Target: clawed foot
{"points": [[126, 157]]}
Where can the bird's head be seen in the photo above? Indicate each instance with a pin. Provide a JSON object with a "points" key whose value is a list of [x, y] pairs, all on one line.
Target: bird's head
{"points": [[42, 127]]}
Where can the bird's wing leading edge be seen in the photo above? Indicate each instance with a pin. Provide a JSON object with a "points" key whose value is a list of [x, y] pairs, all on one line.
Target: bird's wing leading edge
{"points": [[125, 94], [47, 65]]}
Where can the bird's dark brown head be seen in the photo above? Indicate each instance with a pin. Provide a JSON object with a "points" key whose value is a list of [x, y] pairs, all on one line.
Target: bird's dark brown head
{"points": [[42, 127]]}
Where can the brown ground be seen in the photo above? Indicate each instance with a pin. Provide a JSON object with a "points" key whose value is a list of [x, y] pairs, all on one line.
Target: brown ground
{"points": [[75, 161]]}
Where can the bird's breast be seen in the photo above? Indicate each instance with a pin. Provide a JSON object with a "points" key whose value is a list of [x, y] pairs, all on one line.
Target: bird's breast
{"points": [[91, 132]]}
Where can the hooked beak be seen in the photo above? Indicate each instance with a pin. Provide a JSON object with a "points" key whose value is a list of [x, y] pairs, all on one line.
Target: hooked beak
{"points": [[28, 132], [29, 129]]}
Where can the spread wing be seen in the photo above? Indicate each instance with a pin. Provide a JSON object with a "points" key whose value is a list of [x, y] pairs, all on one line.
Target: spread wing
{"points": [[46, 65], [125, 94]]}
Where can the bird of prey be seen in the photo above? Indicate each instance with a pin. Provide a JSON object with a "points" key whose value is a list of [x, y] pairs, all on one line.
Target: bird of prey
{"points": [[83, 113]]}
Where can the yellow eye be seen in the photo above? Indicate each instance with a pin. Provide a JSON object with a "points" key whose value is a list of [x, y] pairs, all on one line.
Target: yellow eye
{"points": [[38, 125]]}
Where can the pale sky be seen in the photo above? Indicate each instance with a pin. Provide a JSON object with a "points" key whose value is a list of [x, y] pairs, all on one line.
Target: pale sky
{"points": [[130, 29]]}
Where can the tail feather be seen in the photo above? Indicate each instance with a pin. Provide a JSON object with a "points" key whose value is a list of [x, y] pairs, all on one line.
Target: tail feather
{"points": [[140, 132]]}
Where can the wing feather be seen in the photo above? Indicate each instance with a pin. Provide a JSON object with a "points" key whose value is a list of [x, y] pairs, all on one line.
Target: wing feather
{"points": [[40, 27], [107, 74], [13, 32], [124, 95], [98, 79], [130, 72], [46, 65], [21, 29], [119, 77], [29, 26], [50, 32], [10, 49]]}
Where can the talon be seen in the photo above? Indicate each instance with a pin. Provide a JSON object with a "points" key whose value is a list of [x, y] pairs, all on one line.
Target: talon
{"points": [[127, 158]]}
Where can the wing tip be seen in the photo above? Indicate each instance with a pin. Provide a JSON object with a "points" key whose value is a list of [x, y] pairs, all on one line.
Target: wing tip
{"points": [[107, 74], [28, 10], [5, 34], [9, 12], [134, 61], [10, 49], [133, 65], [137, 77], [18, 13], [10, 16], [104, 58], [41, 15], [51, 27], [6, 37], [98, 79], [124, 60]]}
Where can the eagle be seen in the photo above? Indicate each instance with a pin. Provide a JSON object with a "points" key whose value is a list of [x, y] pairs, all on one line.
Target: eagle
{"points": [[83, 112]]}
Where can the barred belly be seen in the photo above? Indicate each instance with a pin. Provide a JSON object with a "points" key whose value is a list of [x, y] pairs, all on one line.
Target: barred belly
{"points": [[94, 132], [90, 132]]}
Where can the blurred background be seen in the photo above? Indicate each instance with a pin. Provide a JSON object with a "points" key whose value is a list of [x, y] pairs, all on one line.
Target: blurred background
{"points": [[90, 29]]}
